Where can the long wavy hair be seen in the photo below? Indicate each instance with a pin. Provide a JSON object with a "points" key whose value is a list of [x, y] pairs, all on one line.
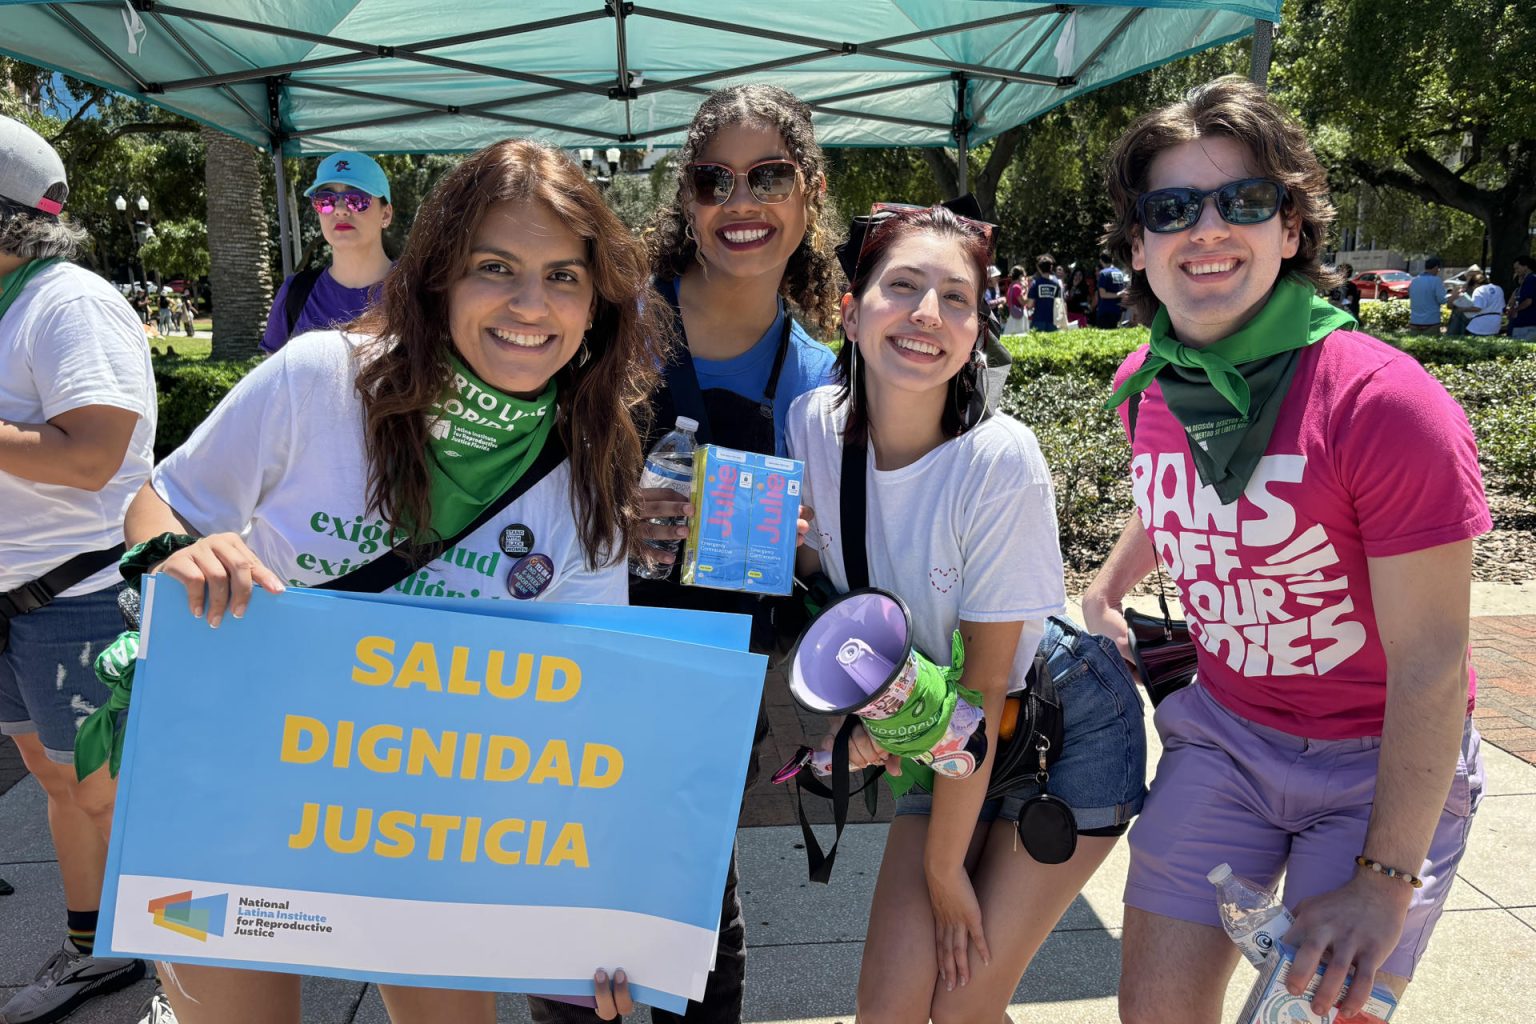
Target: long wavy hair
{"points": [[1238, 109], [877, 245], [813, 281], [601, 407]]}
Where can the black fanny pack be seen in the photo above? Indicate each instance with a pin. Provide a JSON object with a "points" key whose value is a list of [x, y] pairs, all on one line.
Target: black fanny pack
{"points": [[35, 594]]}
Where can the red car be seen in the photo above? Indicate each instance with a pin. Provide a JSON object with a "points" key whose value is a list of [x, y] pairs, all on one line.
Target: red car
{"points": [[1383, 284]]}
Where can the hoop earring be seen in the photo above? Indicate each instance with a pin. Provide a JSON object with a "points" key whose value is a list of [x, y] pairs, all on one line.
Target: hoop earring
{"points": [[583, 354], [698, 251]]}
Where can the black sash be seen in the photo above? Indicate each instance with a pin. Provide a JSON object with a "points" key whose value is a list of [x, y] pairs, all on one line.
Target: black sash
{"points": [[397, 564]]}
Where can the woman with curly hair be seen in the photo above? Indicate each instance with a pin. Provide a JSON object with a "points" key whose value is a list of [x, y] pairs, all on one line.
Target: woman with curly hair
{"points": [[742, 248], [516, 336]]}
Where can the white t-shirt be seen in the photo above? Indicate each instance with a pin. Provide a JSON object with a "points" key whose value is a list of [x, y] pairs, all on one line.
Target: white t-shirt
{"points": [[69, 341], [281, 461], [966, 532], [1487, 317]]}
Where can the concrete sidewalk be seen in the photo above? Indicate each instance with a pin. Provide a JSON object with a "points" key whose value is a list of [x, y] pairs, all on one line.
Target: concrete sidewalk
{"points": [[807, 939]]}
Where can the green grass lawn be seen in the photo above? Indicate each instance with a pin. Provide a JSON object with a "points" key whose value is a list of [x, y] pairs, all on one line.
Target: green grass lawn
{"points": [[183, 346]]}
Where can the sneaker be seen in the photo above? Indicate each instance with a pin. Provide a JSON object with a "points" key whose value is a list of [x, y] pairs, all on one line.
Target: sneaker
{"points": [[157, 1010], [68, 979]]}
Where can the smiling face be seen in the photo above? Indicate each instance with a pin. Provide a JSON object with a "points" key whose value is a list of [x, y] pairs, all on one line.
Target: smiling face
{"points": [[746, 238], [916, 322], [1214, 277], [525, 300], [344, 229]]}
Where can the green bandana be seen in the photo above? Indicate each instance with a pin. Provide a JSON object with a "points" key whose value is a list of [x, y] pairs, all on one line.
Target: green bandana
{"points": [[99, 740], [920, 724], [1247, 373], [12, 284], [481, 441]]}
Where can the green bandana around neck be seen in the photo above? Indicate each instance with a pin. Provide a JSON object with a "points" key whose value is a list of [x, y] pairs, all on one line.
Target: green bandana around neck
{"points": [[1228, 395], [12, 284], [481, 442]]}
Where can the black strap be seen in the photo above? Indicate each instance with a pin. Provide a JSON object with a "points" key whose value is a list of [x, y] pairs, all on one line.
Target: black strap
{"points": [[1157, 562], [853, 499], [683, 379], [821, 863], [299, 287], [34, 594], [395, 564]]}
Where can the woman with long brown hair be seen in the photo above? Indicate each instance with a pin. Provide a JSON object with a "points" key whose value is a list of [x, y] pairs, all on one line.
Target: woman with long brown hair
{"points": [[516, 335]]}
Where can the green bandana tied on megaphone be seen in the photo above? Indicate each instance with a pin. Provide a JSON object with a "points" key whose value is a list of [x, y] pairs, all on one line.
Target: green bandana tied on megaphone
{"points": [[924, 717]]}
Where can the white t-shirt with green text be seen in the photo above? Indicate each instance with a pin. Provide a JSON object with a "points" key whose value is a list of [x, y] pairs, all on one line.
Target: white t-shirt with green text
{"points": [[281, 462]]}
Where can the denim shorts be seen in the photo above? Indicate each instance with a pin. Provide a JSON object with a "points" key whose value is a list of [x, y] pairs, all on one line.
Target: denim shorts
{"points": [[48, 681], [1102, 771]]}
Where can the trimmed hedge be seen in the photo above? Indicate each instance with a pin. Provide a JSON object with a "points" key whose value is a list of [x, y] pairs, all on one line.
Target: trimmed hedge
{"points": [[188, 389], [1099, 353]]}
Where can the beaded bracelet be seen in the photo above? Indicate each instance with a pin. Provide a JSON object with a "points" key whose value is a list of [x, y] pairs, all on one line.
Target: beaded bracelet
{"points": [[1382, 869]]}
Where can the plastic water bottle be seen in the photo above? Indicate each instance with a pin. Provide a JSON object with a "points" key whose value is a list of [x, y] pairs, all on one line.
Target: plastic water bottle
{"points": [[1253, 916], [670, 467]]}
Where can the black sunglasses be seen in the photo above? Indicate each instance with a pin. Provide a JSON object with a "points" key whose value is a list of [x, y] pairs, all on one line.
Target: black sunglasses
{"points": [[770, 182], [1250, 201]]}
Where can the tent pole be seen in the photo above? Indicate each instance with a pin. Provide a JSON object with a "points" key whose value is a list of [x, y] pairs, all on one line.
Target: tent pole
{"points": [[1263, 48], [962, 135], [284, 228], [275, 127]]}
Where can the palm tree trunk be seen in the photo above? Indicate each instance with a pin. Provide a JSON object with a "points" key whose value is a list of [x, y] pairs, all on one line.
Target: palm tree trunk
{"points": [[237, 246]]}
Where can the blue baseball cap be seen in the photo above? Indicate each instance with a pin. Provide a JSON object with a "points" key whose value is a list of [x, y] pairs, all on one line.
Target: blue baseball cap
{"points": [[355, 169]]}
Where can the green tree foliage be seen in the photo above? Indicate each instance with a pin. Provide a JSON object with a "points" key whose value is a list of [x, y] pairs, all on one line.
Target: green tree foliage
{"points": [[1433, 98], [112, 146], [178, 249]]}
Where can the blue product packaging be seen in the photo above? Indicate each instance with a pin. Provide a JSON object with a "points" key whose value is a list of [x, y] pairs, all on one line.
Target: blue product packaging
{"points": [[742, 536], [771, 541]]}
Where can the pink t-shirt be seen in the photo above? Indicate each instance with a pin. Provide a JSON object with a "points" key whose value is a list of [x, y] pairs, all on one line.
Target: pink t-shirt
{"points": [[1370, 458]]}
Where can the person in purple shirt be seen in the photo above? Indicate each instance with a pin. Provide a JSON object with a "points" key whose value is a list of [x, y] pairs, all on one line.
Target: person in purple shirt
{"points": [[351, 196]]}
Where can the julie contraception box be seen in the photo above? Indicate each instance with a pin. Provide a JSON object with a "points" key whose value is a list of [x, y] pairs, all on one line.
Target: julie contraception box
{"points": [[742, 536]]}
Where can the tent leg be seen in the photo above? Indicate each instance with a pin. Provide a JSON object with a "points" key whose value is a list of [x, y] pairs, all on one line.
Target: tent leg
{"points": [[284, 227], [1263, 48], [962, 163]]}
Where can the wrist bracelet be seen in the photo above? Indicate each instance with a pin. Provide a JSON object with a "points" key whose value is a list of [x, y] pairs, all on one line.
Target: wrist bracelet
{"points": [[1382, 869], [141, 558]]}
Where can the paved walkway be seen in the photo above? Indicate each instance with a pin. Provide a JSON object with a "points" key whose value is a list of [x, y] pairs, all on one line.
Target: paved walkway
{"points": [[807, 940]]}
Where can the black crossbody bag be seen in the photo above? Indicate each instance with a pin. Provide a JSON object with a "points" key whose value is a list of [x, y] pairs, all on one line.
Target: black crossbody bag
{"points": [[398, 563], [35, 594]]}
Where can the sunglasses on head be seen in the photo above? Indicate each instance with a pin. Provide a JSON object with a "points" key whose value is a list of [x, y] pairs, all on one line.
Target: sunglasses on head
{"points": [[325, 201], [770, 182], [882, 211], [1250, 201]]}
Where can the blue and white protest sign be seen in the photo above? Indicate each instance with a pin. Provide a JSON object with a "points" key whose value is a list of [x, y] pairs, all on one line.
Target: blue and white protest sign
{"points": [[447, 794]]}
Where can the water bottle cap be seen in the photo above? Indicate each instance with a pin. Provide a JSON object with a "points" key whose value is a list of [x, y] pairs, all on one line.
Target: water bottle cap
{"points": [[1220, 873], [688, 424]]}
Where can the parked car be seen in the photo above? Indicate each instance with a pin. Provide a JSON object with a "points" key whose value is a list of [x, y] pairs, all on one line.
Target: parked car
{"points": [[1383, 284]]}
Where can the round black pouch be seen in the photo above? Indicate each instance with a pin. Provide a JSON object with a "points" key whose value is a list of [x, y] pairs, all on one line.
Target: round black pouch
{"points": [[1048, 829]]}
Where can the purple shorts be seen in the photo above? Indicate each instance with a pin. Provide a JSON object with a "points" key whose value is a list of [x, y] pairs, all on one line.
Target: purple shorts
{"points": [[1267, 802]]}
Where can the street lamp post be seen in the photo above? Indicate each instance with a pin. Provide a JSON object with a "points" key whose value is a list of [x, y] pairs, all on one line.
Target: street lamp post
{"points": [[133, 231]]}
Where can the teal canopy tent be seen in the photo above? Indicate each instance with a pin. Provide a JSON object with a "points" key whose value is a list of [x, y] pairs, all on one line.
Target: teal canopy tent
{"points": [[300, 77]]}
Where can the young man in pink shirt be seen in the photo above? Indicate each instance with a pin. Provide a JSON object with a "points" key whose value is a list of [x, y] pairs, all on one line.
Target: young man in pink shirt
{"points": [[1313, 494]]}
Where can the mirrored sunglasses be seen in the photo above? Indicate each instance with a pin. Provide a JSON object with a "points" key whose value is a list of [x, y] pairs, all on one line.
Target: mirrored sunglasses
{"points": [[325, 201], [1250, 201], [770, 182]]}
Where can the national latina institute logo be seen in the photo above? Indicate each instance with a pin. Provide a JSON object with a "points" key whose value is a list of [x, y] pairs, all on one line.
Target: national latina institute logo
{"points": [[194, 918]]}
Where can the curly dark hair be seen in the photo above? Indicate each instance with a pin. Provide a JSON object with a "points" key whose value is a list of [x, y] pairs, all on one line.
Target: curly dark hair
{"points": [[1240, 110], [602, 407], [813, 281]]}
